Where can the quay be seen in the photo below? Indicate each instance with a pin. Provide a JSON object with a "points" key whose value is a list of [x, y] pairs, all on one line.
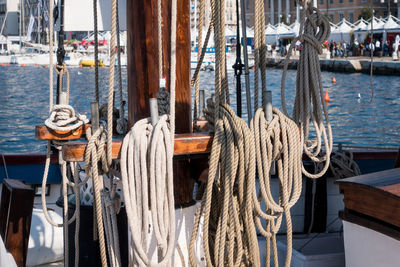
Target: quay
{"points": [[380, 65]]}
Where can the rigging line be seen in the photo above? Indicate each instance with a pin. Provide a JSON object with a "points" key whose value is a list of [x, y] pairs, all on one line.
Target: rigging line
{"points": [[5, 165], [371, 53], [96, 52], [246, 61], [238, 66]]}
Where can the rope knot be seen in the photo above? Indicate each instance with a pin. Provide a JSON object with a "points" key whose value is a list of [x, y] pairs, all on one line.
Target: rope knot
{"points": [[63, 118]]}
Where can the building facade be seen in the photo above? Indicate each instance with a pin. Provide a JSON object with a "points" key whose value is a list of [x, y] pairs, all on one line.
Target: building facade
{"points": [[9, 17], [285, 11], [351, 10]]}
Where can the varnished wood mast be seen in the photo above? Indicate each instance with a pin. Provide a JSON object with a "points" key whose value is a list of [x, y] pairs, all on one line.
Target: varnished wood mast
{"points": [[143, 76]]}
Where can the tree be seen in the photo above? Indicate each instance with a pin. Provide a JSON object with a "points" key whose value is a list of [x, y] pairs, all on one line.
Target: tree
{"points": [[328, 17], [366, 14]]}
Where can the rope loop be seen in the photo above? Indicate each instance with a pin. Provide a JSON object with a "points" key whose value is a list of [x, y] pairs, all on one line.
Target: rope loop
{"points": [[64, 118]]}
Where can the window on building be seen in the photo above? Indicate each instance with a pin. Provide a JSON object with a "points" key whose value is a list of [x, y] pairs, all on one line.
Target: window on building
{"points": [[351, 1], [341, 16], [331, 17], [269, 4], [331, 2], [321, 2], [363, 1], [351, 17], [340, 1]]}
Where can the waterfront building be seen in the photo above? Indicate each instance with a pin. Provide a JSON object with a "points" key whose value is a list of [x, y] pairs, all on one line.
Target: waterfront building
{"points": [[34, 14], [285, 11], [9, 17], [230, 10]]}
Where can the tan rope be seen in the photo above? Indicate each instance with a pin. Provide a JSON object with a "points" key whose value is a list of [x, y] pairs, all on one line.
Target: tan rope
{"points": [[276, 141], [229, 236], [122, 123], [343, 165], [199, 52], [227, 206], [93, 154], [259, 51], [61, 71], [309, 106]]}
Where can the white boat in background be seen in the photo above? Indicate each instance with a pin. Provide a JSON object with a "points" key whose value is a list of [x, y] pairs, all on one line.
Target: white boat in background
{"points": [[5, 59], [207, 64], [73, 59], [22, 60], [43, 59]]}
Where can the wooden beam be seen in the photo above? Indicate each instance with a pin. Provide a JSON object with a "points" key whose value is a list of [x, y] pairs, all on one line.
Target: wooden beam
{"points": [[376, 195], [42, 132], [143, 76], [15, 218], [185, 144], [142, 49]]}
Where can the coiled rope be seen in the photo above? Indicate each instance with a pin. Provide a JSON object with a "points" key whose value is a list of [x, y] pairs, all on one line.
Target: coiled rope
{"points": [[343, 165], [147, 177], [229, 233], [309, 106], [276, 141]]}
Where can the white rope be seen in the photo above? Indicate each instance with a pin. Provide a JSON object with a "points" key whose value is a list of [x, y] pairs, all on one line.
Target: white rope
{"points": [[147, 177], [146, 170], [63, 118]]}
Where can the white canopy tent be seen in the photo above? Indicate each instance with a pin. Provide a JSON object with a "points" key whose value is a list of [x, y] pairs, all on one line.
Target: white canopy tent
{"points": [[342, 31], [379, 26], [295, 28]]}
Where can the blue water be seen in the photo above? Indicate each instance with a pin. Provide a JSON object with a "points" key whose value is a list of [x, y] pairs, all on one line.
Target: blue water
{"points": [[355, 121]]}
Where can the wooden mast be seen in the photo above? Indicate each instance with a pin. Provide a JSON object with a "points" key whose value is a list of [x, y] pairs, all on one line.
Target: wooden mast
{"points": [[143, 77]]}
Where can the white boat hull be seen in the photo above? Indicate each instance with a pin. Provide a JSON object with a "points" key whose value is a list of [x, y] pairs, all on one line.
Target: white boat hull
{"points": [[367, 248]]}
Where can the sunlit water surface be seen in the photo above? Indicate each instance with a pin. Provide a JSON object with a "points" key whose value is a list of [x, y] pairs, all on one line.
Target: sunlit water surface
{"points": [[355, 119]]}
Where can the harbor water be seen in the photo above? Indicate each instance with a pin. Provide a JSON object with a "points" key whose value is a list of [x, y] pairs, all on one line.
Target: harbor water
{"points": [[356, 118]]}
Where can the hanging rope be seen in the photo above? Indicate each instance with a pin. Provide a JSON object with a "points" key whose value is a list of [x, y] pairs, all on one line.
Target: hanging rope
{"points": [[62, 118], [259, 51], [276, 141], [61, 71], [111, 207], [51, 45], [147, 177], [93, 154], [122, 123], [229, 233], [96, 53], [110, 201], [309, 106], [199, 50]]}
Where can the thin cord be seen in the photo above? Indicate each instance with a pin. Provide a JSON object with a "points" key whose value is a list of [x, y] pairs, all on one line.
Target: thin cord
{"points": [[5, 165]]}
